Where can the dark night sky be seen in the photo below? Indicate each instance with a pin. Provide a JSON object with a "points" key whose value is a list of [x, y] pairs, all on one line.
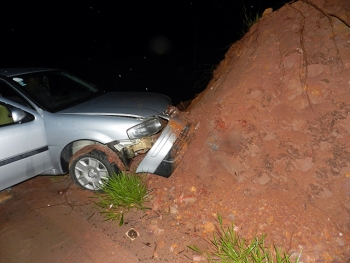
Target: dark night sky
{"points": [[160, 46]]}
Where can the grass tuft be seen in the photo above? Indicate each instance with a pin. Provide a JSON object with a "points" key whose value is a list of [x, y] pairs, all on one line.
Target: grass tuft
{"points": [[120, 194], [249, 18], [228, 247]]}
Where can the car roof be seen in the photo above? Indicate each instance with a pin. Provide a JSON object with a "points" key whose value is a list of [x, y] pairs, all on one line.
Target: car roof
{"points": [[10, 72]]}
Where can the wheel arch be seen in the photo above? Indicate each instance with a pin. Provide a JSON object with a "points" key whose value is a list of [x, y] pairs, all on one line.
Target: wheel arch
{"points": [[86, 146], [72, 148]]}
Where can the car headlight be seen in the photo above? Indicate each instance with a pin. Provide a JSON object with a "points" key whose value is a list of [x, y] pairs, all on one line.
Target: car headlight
{"points": [[148, 127]]}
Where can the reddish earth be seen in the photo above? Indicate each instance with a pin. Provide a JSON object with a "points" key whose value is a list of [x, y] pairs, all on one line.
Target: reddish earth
{"points": [[271, 154]]}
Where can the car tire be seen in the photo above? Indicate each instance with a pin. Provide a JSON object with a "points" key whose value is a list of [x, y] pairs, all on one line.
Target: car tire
{"points": [[90, 169]]}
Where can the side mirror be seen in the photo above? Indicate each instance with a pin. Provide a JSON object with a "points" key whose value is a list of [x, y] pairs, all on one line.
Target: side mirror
{"points": [[17, 114]]}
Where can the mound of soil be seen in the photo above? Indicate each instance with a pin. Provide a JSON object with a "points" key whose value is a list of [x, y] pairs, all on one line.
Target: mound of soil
{"points": [[272, 148]]}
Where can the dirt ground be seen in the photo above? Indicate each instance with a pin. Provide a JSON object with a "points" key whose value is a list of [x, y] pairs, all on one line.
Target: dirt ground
{"points": [[271, 155]]}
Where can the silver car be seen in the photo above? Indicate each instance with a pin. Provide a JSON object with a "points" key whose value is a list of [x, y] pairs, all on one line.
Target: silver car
{"points": [[52, 123]]}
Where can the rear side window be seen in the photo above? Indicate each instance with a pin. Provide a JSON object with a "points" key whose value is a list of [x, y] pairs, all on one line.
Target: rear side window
{"points": [[5, 115], [55, 90], [8, 92]]}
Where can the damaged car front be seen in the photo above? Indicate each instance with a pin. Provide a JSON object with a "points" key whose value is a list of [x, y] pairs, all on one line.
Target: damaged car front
{"points": [[90, 133], [155, 145], [172, 143]]}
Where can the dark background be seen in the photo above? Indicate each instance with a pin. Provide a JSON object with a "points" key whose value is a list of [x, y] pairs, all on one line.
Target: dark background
{"points": [[164, 46]]}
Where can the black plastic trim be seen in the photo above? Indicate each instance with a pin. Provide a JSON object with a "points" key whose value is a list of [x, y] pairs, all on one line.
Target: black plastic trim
{"points": [[166, 167], [23, 156]]}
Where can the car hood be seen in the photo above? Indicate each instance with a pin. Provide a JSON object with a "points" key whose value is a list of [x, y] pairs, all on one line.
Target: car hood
{"points": [[133, 104]]}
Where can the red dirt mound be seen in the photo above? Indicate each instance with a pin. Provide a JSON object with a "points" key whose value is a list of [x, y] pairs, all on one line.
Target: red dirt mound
{"points": [[272, 148]]}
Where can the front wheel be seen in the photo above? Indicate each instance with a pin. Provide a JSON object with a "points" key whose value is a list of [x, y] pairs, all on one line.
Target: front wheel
{"points": [[89, 170]]}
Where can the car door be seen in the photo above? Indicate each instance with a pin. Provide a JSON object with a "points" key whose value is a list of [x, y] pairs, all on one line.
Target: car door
{"points": [[24, 151]]}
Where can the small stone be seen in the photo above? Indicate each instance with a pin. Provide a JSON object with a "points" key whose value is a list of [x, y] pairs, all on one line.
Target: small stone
{"points": [[166, 210], [303, 165], [153, 228], [267, 11], [189, 226], [189, 200], [156, 204], [209, 227], [172, 247], [198, 258], [340, 241], [159, 232], [173, 210], [161, 244], [264, 179]]}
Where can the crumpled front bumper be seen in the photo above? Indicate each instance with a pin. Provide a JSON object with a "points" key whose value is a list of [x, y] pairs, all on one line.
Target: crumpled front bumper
{"points": [[171, 146]]}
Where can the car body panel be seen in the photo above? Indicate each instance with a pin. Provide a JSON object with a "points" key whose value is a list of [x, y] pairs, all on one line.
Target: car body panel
{"points": [[24, 150], [171, 145], [62, 129], [132, 104], [158, 151]]}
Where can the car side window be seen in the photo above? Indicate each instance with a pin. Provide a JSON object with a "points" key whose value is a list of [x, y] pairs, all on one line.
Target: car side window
{"points": [[8, 92], [11, 115], [5, 115]]}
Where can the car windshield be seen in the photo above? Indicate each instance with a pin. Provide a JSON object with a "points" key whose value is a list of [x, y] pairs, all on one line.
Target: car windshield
{"points": [[55, 90]]}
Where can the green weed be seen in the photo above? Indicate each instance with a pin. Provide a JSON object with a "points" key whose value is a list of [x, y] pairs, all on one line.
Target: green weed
{"points": [[120, 194], [228, 247]]}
